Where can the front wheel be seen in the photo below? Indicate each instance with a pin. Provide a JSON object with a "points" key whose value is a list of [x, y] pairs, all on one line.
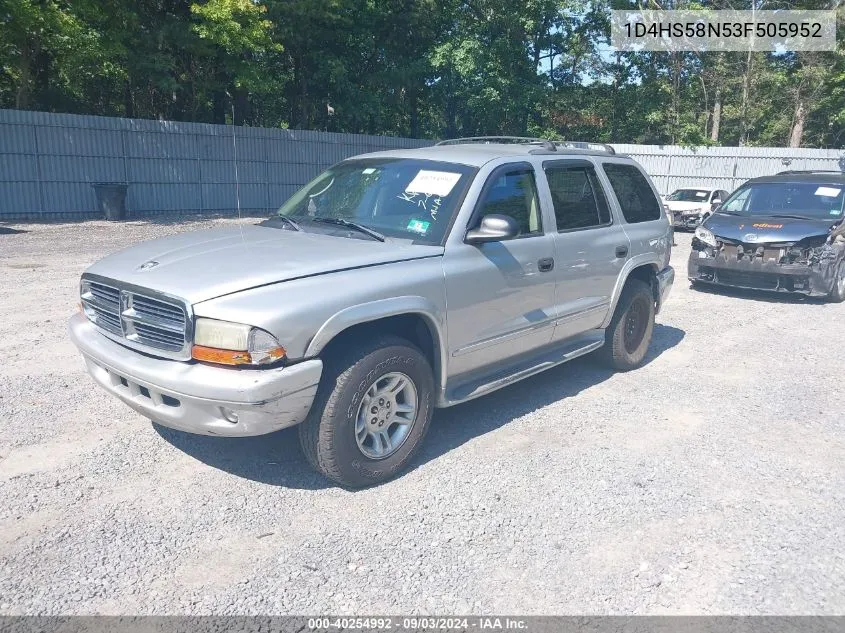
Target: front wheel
{"points": [[372, 411], [837, 295], [629, 334]]}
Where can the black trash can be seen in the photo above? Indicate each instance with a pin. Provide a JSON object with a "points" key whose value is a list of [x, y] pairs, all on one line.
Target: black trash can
{"points": [[111, 199]]}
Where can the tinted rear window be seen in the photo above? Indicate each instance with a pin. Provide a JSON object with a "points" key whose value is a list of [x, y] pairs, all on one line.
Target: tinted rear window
{"points": [[635, 196]]}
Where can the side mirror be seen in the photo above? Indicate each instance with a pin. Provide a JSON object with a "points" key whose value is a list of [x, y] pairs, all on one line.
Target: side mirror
{"points": [[493, 228]]}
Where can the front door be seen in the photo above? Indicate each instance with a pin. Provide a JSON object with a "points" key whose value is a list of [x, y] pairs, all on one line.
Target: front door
{"points": [[500, 295]]}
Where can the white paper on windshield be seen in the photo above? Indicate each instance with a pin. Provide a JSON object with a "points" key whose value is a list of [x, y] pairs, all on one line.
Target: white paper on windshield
{"points": [[433, 183], [700, 194], [828, 192]]}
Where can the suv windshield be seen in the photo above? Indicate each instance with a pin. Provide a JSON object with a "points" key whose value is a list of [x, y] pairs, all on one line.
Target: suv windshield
{"points": [[801, 199], [397, 197], [688, 195]]}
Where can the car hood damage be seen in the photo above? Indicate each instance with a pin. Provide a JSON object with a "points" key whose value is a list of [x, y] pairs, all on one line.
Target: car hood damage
{"points": [[781, 247], [687, 207], [202, 265], [768, 229]]}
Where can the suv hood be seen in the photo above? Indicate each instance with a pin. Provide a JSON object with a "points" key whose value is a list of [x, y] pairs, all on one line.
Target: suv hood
{"points": [[767, 228], [202, 265]]}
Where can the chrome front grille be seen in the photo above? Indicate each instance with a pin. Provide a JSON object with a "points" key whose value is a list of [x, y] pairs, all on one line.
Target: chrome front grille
{"points": [[138, 318]]}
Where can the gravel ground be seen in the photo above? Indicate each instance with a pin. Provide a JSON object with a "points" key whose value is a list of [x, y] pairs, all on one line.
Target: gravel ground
{"points": [[708, 481]]}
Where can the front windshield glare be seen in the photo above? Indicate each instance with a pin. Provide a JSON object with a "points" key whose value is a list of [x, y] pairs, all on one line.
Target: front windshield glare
{"points": [[405, 198], [804, 199], [688, 195]]}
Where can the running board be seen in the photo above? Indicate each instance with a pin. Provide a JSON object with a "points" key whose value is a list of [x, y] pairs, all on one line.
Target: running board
{"points": [[546, 359]]}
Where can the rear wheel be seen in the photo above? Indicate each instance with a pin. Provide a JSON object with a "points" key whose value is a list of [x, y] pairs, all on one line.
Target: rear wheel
{"points": [[837, 295], [629, 334], [372, 411]]}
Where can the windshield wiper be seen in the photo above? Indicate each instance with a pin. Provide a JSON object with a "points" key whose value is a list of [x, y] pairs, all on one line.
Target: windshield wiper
{"points": [[291, 223], [792, 217], [352, 225]]}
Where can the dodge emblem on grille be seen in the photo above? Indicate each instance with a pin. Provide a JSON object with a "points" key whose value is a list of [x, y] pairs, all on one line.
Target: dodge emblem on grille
{"points": [[148, 265]]}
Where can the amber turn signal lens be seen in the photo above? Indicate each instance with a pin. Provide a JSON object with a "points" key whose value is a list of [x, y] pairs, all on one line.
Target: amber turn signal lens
{"points": [[220, 356], [232, 357]]}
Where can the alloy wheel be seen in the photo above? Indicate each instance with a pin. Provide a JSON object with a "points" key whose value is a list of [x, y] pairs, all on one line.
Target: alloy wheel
{"points": [[386, 415]]}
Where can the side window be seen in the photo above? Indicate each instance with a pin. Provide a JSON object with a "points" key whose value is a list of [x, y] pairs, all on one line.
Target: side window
{"points": [[513, 193], [578, 199], [633, 193]]}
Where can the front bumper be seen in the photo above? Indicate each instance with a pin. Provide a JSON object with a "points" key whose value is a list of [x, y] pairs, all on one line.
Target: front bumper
{"points": [[687, 222], [758, 274], [665, 280], [199, 398]]}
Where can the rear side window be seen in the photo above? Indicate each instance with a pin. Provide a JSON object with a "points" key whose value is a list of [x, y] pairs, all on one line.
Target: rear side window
{"points": [[578, 199], [633, 192], [513, 193]]}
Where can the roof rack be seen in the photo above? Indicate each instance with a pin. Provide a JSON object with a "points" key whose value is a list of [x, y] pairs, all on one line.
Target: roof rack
{"points": [[589, 145], [811, 171], [544, 143], [466, 140]]}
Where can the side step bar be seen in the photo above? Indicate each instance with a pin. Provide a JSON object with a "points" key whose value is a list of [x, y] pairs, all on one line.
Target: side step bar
{"points": [[545, 359]]}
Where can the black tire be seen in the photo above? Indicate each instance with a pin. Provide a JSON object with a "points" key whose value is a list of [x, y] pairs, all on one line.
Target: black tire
{"points": [[327, 435], [629, 334], [837, 295]]}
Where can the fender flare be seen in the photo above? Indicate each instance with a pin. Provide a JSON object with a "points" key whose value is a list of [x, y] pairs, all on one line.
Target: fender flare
{"points": [[374, 310], [646, 259]]}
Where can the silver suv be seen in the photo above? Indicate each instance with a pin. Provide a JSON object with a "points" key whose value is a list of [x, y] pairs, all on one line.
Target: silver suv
{"points": [[391, 284]]}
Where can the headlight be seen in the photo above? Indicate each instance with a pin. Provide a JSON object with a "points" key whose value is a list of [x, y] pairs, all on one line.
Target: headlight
{"points": [[226, 343], [705, 236]]}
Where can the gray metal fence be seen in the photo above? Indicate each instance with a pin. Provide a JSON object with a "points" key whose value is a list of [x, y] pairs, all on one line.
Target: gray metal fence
{"points": [[673, 166], [48, 163]]}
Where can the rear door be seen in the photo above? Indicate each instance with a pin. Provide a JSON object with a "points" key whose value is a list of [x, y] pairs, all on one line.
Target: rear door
{"points": [[591, 247], [637, 201], [500, 295]]}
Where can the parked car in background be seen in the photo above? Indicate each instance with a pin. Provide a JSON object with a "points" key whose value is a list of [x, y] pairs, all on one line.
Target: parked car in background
{"points": [[690, 206], [392, 283], [784, 233]]}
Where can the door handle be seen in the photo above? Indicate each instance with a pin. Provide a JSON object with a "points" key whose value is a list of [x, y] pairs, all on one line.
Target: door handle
{"points": [[546, 264], [621, 251]]}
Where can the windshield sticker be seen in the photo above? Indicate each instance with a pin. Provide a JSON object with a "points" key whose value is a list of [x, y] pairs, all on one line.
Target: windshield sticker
{"points": [[828, 192], [418, 226], [427, 202], [700, 194], [433, 183], [369, 170]]}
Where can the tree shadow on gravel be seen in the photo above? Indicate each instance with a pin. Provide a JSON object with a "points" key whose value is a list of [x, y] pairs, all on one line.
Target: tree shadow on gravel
{"points": [[276, 459], [452, 427], [760, 296]]}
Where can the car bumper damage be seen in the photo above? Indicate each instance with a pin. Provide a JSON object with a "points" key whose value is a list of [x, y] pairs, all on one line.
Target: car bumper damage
{"points": [[789, 268], [687, 221], [199, 398]]}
